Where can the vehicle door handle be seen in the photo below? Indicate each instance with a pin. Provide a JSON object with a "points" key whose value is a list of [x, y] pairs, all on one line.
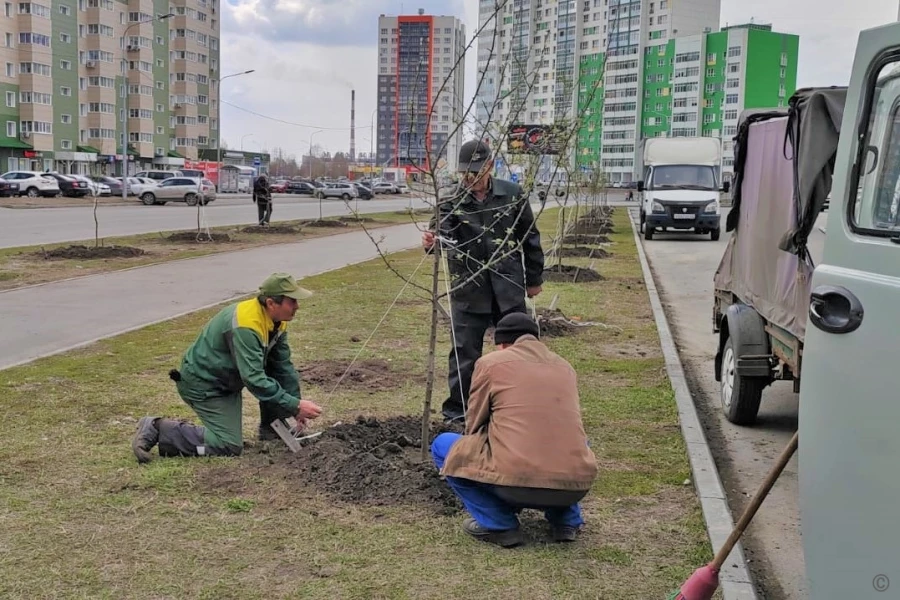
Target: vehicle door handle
{"points": [[834, 309]]}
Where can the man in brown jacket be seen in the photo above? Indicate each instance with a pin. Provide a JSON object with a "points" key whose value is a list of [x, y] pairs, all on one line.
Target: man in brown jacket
{"points": [[525, 445]]}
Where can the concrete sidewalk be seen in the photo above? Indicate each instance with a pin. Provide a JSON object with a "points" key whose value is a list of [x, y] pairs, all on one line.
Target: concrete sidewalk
{"points": [[56, 317]]}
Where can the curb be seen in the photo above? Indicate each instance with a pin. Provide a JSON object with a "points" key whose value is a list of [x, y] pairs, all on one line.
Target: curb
{"points": [[735, 579]]}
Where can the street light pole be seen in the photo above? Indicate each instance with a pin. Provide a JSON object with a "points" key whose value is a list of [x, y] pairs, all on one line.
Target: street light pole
{"points": [[219, 130], [311, 150], [372, 141], [128, 97], [242, 140]]}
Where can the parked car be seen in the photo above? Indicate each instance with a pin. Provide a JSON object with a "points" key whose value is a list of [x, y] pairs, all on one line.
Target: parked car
{"points": [[209, 191], [159, 175], [138, 185], [278, 187], [69, 186], [301, 187], [385, 187], [345, 191], [115, 185], [363, 192], [94, 188], [33, 184], [8, 189], [176, 189]]}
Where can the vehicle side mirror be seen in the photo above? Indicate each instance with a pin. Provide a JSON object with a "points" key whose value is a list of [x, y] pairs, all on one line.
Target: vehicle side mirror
{"points": [[640, 186], [726, 186]]}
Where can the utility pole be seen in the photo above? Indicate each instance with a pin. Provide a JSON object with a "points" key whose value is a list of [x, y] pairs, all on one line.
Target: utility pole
{"points": [[128, 97], [219, 131]]}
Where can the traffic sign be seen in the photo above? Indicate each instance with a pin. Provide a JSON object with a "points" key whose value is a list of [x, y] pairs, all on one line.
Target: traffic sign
{"points": [[256, 161]]}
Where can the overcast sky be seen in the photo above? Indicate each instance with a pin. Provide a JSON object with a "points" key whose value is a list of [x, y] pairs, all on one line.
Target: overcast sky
{"points": [[309, 54]]}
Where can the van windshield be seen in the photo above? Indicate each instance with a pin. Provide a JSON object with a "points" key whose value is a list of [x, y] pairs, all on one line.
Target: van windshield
{"points": [[684, 177]]}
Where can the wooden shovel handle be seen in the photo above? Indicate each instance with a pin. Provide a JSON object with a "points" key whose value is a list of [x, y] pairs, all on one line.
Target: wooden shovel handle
{"points": [[755, 503]]}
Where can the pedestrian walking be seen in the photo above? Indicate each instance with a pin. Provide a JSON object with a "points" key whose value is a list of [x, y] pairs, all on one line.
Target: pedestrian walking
{"points": [[262, 196]]}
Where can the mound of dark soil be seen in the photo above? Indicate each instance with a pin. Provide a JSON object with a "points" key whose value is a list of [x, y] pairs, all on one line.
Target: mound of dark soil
{"points": [[365, 375], [83, 252], [377, 463], [198, 238], [584, 238], [356, 220], [571, 274], [324, 223], [273, 229], [583, 251], [592, 228], [554, 323], [418, 211]]}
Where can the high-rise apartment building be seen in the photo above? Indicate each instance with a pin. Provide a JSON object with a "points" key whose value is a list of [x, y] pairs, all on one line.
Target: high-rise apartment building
{"points": [[421, 77], [691, 86], [74, 70], [627, 69]]}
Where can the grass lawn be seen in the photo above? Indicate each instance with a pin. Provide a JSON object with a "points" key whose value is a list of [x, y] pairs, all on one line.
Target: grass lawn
{"points": [[28, 265], [80, 519]]}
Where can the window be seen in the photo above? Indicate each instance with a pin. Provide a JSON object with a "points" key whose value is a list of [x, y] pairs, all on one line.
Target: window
{"points": [[734, 68], [160, 130], [38, 10], [734, 52], [37, 39], [65, 38], [733, 83], [11, 129], [65, 119], [65, 10], [9, 40], [874, 207], [731, 99], [731, 115], [10, 70], [36, 127], [65, 65], [10, 99]]}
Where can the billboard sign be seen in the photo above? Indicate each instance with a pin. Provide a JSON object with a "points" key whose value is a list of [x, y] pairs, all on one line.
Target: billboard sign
{"points": [[535, 139]]}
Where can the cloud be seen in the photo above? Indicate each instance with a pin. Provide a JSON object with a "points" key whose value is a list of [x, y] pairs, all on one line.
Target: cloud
{"points": [[325, 22], [309, 53]]}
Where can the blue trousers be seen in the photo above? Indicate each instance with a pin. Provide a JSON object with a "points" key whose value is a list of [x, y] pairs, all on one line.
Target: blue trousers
{"points": [[482, 503]]}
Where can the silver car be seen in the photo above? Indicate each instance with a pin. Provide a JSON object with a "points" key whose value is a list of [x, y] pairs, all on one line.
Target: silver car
{"points": [[344, 191], [174, 189]]}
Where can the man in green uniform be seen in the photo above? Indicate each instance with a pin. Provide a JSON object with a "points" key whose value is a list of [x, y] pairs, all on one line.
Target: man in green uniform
{"points": [[244, 345]]}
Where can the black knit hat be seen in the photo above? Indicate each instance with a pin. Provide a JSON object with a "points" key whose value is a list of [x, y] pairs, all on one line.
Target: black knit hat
{"points": [[513, 326]]}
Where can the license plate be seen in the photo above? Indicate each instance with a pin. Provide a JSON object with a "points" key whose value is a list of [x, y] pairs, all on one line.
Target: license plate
{"points": [[683, 216]]}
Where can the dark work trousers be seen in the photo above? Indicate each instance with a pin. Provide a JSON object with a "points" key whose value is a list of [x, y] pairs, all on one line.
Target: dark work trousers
{"points": [[468, 342], [264, 208]]}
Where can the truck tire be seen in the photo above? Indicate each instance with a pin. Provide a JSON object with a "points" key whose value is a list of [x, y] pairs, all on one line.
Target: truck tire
{"points": [[641, 227], [716, 233], [648, 232], [741, 396]]}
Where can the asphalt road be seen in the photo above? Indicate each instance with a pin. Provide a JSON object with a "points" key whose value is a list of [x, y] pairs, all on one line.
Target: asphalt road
{"points": [[62, 315], [683, 266], [28, 227]]}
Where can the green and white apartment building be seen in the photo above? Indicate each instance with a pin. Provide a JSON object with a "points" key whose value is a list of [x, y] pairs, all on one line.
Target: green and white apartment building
{"points": [[71, 69], [629, 70]]}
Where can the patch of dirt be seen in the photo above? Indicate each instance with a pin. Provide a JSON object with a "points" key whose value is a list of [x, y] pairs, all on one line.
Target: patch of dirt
{"points": [[584, 238], [598, 226], [554, 323], [356, 220], [567, 274], [371, 376], [198, 238], [83, 252], [324, 223], [273, 229], [376, 462], [583, 252], [418, 211]]}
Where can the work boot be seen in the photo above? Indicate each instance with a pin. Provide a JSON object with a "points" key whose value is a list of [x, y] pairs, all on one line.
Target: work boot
{"points": [[507, 538], [564, 533], [146, 437]]}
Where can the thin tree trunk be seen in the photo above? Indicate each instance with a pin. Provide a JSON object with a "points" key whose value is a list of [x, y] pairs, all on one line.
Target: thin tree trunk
{"points": [[96, 225], [432, 345]]}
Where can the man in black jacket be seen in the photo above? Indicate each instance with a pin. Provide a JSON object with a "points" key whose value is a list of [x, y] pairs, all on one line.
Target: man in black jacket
{"points": [[263, 198], [488, 234]]}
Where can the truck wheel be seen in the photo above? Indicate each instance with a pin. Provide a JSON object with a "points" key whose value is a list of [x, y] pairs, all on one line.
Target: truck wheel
{"points": [[741, 396], [641, 228], [714, 236], [648, 232]]}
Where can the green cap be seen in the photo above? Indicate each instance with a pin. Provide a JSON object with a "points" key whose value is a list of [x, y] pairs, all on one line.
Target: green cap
{"points": [[282, 284]]}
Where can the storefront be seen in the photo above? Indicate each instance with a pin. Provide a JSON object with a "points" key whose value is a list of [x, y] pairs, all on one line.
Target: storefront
{"points": [[82, 162], [11, 152]]}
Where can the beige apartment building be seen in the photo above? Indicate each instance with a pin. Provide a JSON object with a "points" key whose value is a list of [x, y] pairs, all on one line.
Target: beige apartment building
{"points": [[73, 71]]}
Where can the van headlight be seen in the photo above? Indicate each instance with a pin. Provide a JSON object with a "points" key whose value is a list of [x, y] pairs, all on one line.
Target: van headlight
{"points": [[657, 207], [711, 208]]}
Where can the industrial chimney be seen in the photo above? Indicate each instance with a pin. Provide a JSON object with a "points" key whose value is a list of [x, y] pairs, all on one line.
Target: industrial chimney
{"points": [[352, 125]]}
